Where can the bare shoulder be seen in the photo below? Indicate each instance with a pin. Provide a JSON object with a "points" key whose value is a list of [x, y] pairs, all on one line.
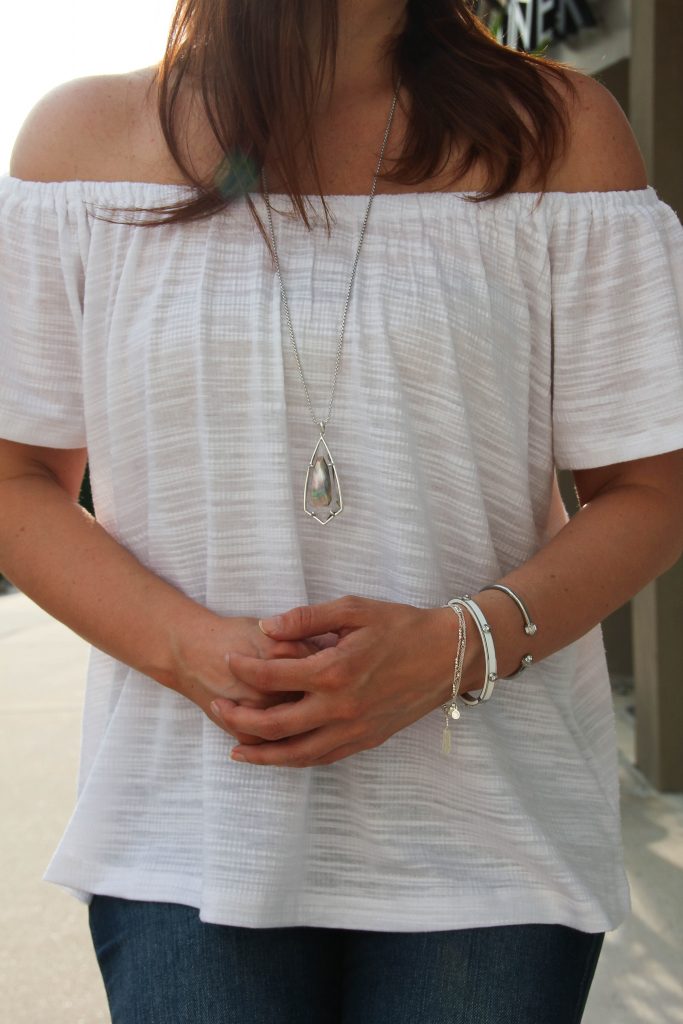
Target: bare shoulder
{"points": [[603, 153], [89, 129]]}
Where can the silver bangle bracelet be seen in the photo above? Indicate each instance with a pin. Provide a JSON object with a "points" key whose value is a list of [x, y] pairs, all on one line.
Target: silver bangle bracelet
{"points": [[490, 662], [530, 628]]}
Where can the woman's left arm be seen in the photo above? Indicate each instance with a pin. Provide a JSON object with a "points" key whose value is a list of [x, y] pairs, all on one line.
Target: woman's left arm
{"points": [[394, 662], [627, 531]]}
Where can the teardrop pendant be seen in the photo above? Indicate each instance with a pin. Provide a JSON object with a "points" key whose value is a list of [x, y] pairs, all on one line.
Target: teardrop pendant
{"points": [[322, 490]]}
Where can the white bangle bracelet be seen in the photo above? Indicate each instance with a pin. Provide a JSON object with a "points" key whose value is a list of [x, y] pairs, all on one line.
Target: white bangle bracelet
{"points": [[490, 662]]}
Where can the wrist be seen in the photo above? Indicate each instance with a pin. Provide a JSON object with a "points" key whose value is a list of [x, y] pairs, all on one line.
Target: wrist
{"points": [[183, 622], [503, 618], [446, 648], [509, 640]]}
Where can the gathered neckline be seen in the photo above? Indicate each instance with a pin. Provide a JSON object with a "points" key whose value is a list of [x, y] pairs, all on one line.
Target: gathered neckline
{"points": [[341, 196]]}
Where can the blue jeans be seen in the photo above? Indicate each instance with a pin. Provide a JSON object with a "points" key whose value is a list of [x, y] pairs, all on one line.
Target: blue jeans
{"points": [[162, 965]]}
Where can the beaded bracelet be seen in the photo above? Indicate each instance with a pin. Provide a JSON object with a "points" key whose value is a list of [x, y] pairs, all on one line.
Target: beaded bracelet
{"points": [[450, 709]]}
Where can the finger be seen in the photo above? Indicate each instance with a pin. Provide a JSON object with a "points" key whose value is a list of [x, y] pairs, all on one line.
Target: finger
{"points": [[218, 708], [278, 722], [326, 640], [339, 753], [292, 649], [299, 752], [246, 740], [313, 619], [279, 674]]}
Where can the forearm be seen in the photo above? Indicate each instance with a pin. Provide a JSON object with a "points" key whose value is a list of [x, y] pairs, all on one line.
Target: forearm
{"points": [[394, 662], [57, 554], [611, 548]]}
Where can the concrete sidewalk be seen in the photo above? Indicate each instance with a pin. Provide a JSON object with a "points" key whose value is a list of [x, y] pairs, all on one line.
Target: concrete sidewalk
{"points": [[48, 971]]}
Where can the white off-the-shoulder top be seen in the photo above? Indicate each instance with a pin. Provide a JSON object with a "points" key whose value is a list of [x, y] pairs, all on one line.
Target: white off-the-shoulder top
{"points": [[486, 345]]}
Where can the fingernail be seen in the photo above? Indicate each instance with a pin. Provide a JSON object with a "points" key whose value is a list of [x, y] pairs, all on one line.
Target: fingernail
{"points": [[237, 757], [270, 625], [225, 705]]}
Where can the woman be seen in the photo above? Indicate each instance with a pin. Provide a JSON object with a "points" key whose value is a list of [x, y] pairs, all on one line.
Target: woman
{"points": [[267, 828]]}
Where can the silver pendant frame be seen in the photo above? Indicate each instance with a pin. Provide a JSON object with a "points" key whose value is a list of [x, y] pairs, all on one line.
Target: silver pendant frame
{"points": [[311, 464]]}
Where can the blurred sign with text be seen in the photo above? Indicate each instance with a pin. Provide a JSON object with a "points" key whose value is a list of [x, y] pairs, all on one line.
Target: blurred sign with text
{"points": [[533, 25]]}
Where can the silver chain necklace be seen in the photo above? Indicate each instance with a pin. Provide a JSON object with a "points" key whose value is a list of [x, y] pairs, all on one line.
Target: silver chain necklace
{"points": [[322, 490]]}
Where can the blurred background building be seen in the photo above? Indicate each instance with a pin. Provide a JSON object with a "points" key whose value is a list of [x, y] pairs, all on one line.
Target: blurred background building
{"points": [[635, 49]]}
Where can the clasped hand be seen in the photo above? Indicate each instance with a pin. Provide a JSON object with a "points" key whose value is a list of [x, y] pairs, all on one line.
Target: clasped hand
{"points": [[391, 665]]}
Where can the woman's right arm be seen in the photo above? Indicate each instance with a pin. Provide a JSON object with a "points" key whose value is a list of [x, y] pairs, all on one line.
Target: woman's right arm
{"points": [[52, 549], [65, 561]]}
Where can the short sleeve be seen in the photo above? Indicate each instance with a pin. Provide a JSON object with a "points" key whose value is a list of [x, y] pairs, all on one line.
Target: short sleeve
{"points": [[616, 262], [43, 230]]}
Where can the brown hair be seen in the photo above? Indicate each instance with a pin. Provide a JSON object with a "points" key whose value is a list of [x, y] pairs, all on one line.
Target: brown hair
{"points": [[249, 63]]}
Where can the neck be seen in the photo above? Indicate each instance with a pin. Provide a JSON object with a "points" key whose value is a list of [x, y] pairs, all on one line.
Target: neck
{"points": [[365, 27]]}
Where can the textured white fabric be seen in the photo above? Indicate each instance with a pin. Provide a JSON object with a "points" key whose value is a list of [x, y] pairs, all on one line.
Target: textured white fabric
{"points": [[165, 350]]}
